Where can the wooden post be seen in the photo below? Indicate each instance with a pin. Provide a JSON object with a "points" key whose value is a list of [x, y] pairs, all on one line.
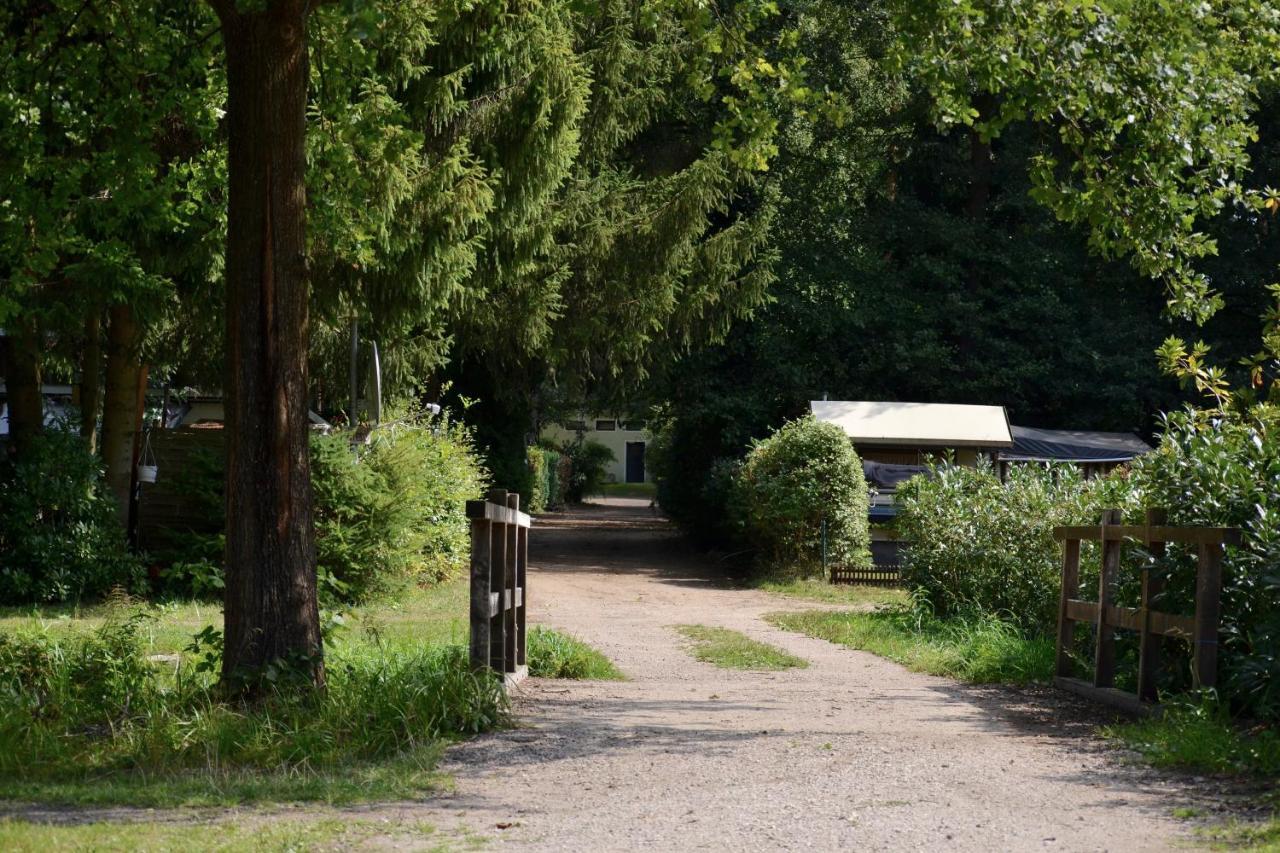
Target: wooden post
{"points": [[510, 626], [1152, 586], [522, 584], [1104, 667], [1070, 589], [1204, 657], [481, 560], [498, 569]]}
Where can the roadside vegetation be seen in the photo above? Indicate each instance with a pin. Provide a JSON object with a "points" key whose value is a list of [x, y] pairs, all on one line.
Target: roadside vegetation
{"points": [[729, 649], [556, 655]]}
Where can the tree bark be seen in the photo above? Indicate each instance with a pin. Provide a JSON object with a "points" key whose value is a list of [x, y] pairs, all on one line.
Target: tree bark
{"points": [[91, 377], [122, 402], [272, 615], [23, 383]]}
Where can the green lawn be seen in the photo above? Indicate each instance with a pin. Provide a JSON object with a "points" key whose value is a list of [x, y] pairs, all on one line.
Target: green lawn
{"points": [[730, 649], [629, 490], [818, 589], [979, 651]]}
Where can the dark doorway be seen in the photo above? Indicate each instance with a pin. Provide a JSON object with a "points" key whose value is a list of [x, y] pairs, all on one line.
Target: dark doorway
{"points": [[635, 461]]}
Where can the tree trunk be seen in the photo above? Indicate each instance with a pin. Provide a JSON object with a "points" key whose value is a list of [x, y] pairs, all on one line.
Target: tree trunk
{"points": [[91, 377], [272, 615], [23, 383], [122, 402]]}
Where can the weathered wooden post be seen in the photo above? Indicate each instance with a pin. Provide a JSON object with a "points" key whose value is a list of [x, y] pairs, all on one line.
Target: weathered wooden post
{"points": [[1204, 658], [522, 591], [1152, 585], [1070, 589], [481, 583], [510, 589], [497, 625], [1104, 666]]}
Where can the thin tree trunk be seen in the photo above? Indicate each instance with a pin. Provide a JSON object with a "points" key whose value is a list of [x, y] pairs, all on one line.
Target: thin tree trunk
{"points": [[272, 614], [91, 377], [122, 400], [23, 383]]}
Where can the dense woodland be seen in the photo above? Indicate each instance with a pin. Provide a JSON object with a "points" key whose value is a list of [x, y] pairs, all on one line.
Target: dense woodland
{"points": [[708, 213]]}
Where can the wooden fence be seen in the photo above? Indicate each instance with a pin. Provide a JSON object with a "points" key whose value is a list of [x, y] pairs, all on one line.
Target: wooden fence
{"points": [[873, 575], [1106, 616], [499, 563]]}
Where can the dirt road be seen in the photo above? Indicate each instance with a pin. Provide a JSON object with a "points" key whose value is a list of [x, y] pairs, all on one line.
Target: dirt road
{"points": [[852, 752]]}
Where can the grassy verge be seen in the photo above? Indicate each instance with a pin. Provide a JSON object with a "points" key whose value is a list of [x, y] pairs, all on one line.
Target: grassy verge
{"points": [[817, 589], [628, 490], [88, 715], [980, 650], [1203, 739], [556, 655], [729, 649], [265, 835]]}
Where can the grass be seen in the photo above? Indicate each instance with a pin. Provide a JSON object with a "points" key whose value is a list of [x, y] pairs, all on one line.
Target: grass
{"points": [[976, 650], [730, 649], [1201, 738], [629, 490], [87, 718], [556, 655], [817, 589], [274, 834]]}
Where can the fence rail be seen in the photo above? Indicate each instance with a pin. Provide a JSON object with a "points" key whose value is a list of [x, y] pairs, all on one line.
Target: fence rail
{"points": [[867, 575], [499, 591], [1152, 625]]}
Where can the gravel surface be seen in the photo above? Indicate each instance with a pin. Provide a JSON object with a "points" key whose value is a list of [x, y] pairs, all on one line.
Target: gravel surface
{"points": [[851, 752]]}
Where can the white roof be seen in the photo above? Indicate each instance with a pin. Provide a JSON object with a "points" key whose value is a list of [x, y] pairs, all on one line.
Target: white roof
{"points": [[917, 424]]}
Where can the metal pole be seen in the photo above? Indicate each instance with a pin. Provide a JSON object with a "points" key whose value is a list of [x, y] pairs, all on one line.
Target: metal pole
{"points": [[377, 384], [824, 545]]}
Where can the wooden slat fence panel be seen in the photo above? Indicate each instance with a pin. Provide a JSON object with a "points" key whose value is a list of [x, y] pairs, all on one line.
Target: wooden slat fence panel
{"points": [[499, 585]]}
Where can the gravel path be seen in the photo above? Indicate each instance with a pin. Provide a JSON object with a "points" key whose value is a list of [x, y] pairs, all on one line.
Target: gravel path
{"points": [[853, 751]]}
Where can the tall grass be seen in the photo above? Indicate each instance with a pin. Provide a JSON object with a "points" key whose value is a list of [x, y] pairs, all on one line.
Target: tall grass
{"points": [[89, 712], [1202, 737], [556, 655], [975, 648]]}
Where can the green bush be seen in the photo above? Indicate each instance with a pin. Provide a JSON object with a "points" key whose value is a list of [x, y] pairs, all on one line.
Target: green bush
{"points": [[93, 707], [981, 546], [804, 474], [539, 489], [587, 463], [1227, 472], [395, 510], [544, 472], [61, 538], [387, 513]]}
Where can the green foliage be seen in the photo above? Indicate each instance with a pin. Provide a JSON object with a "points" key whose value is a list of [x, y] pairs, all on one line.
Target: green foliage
{"points": [[730, 649], [546, 468], [1141, 155], [978, 545], [552, 654], [587, 463], [1226, 472], [974, 648], [93, 707], [60, 534], [388, 512], [1201, 737], [804, 475]]}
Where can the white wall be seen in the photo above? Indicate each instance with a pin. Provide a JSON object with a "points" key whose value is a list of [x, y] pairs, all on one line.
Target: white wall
{"points": [[614, 439]]}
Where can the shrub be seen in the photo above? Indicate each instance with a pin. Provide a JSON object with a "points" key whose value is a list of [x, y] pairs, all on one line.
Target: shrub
{"points": [[587, 463], [60, 533], [387, 513], [803, 474], [395, 511], [1227, 472], [546, 491], [981, 546]]}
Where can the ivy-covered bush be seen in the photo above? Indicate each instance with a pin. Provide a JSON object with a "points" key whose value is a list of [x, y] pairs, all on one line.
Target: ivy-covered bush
{"points": [[792, 481], [61, 537], [546, 491], [978, 545]]}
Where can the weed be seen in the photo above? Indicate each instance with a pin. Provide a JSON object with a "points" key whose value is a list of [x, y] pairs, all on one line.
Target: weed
{"points": [[556, 655]]}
